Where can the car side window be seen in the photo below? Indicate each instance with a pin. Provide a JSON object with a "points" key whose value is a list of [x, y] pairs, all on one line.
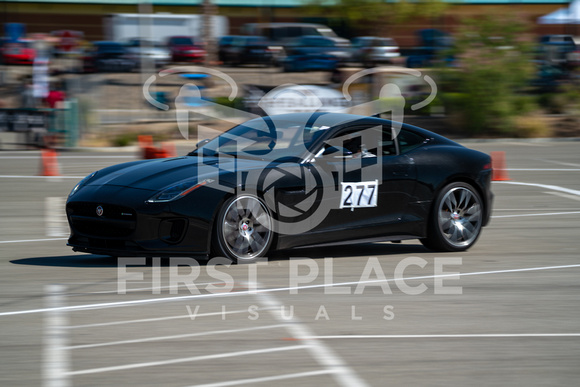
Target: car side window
{"points": [[294, 32], [388, 145], [310, 31], [359, 142], [409, 141]]}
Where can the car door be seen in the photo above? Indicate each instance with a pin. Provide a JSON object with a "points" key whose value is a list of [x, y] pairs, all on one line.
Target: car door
{"points": [[372, 183]]}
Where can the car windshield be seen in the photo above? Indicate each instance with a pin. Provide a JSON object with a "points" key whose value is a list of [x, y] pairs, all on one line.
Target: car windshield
{"points": [[255, 40], [110, 47], [146, 43], [384, 42], [326, 32], [183, 41], [266, 138]]}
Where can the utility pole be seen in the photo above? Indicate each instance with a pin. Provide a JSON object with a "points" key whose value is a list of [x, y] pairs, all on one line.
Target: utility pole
{"points": [[209, 11]]}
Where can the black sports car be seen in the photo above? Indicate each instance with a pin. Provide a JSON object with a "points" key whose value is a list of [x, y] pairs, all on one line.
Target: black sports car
{"points": [[284, 181]]}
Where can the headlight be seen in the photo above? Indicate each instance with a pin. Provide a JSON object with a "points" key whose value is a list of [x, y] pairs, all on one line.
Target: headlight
{"points": [[177, 191], [82, 183]]}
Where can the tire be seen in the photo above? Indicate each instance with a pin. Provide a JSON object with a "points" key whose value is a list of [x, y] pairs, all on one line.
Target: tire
{"points": [[243, 230], [455, 220]]}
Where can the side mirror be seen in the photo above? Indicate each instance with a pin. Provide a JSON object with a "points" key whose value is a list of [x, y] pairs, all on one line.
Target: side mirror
{"points": [[202, 143]]}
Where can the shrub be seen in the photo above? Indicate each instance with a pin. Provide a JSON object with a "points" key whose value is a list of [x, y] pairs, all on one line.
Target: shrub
{"points": [[531, 126], [493, 68]]}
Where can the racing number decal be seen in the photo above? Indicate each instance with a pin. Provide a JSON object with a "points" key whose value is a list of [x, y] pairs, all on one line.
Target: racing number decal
{"points": [[357, 195]]}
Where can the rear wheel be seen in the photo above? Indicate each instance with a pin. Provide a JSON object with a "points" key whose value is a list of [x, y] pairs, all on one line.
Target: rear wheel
{"points": [[243, 229], [456, 219]]}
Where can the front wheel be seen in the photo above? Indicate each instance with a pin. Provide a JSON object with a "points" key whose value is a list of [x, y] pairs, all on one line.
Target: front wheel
{"points": [[456, 219], [243, 230]]}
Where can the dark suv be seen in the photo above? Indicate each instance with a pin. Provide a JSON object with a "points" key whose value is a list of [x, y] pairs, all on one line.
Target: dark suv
{"points": [[108, 57], [246, 50]]}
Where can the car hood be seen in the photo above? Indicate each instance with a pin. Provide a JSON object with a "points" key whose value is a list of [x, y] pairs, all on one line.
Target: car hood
{"points": [[157, 174]]}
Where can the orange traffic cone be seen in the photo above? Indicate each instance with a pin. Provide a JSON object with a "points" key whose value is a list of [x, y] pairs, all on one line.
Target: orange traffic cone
{"points": [[145, 140], [49, 163], [169, 148], [160, 153], [146, 145], [499, 167]]}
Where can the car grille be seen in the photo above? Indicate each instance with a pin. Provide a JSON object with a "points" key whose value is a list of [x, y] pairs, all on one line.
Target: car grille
{"points": [[114, 221]]}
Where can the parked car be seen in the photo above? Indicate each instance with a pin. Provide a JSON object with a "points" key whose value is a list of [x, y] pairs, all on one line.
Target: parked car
{"points": [[557, 50], [283, 33], [316, 53], [106, 56], [186, 49], [246, 50], [372, 50], [154, 51], [279, 35], [433, 44], [308, 179], [223, 44], [19, 52]]}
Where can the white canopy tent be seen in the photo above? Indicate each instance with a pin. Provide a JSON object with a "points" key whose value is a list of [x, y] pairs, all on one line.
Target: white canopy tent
{"points": [[570, 15]]}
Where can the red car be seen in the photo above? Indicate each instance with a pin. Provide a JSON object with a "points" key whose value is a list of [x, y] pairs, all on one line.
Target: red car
{"points": [[20, 52], [185, 49]]}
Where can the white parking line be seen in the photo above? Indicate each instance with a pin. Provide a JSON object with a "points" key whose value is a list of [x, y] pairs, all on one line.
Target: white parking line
{"points": [[544, 214], [174, 337], [35, 240], [147, 289], [544, 186], [444, 336], [562, 163], [342, 374], [563, 195], [535, 209], [107, 305], [186, 360], [543, 169], [266, 379], [39, 177], [55, 217], [146, 320]]}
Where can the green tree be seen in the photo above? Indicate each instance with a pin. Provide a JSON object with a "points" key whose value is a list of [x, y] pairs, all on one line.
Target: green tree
{"points": [[493, 57]]}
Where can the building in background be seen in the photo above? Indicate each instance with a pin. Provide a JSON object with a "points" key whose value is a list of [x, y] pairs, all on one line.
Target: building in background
{"points": [[90, 16]]}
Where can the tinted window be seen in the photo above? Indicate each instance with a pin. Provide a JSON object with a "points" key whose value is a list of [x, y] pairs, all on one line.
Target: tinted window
{"points": [[385, 42], [293, 32], [226, 40], [409, 141], [365, 142], [184, 41], [255, 40], [265, 138], [110, 48], [310, 31]]}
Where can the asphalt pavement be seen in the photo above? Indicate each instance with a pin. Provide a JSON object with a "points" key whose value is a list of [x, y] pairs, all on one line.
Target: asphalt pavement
{"points": [[506, 312]]}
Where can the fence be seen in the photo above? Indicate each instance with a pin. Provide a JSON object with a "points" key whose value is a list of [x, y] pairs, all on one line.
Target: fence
{"points": [[41, 127]]}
